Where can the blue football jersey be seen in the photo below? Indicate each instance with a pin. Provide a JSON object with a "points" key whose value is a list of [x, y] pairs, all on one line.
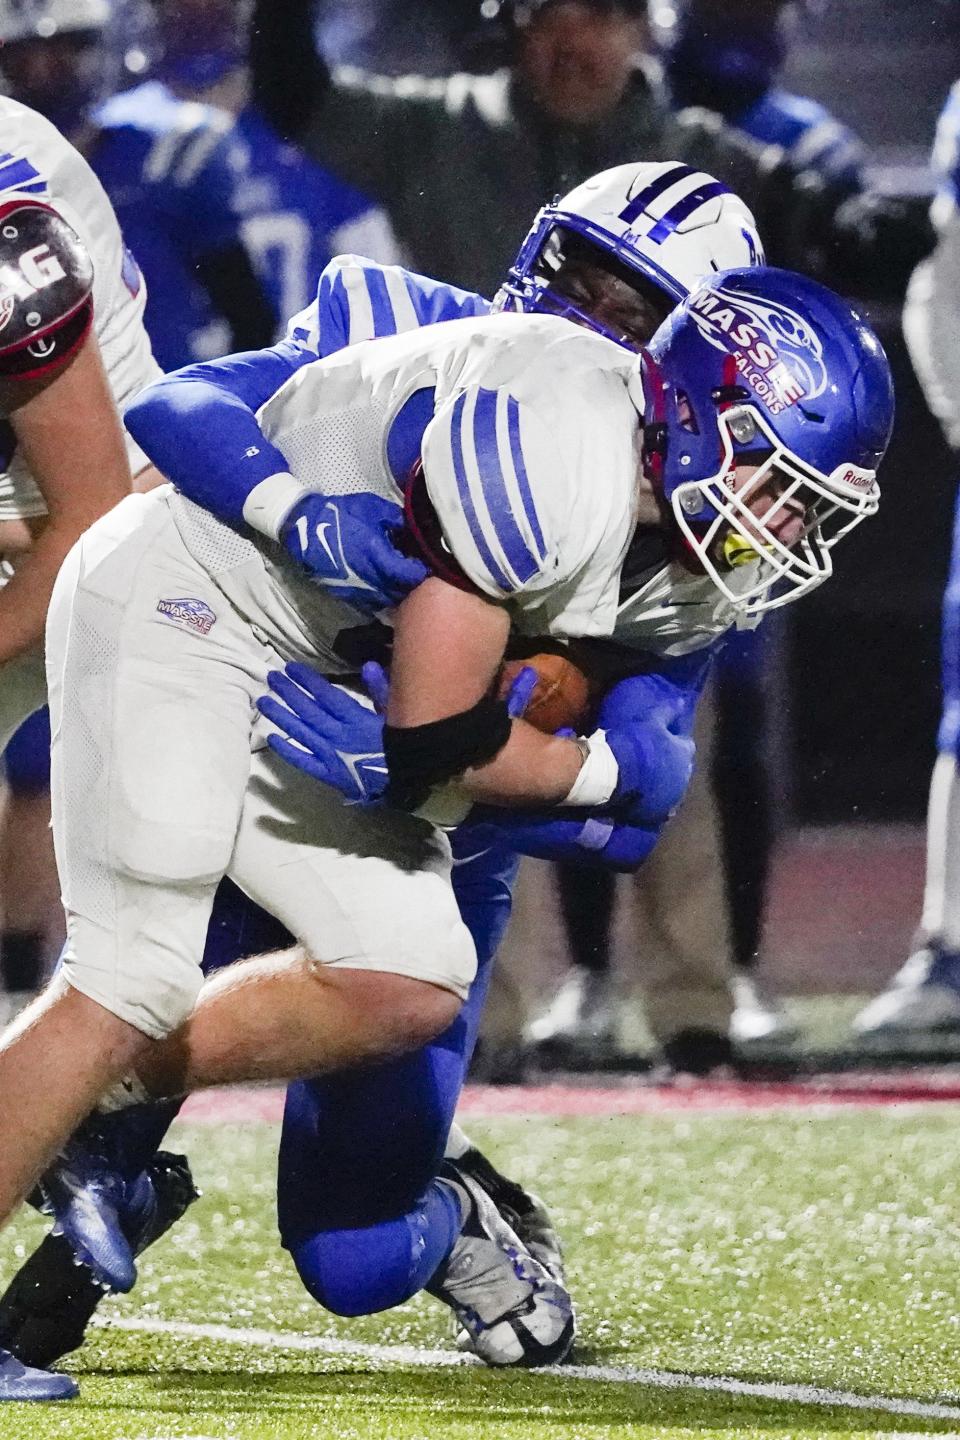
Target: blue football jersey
{"points": [[814, 139], [171, 169], [360, 300], [296, 216]]}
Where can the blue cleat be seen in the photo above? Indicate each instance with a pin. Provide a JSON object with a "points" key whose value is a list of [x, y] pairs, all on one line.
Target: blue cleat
{"points": [[46, 1308], [89, 1202], [20, 1382]]}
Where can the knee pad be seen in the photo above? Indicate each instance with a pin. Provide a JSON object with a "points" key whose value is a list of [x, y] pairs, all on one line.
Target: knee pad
{"points": [[358, 1272]]}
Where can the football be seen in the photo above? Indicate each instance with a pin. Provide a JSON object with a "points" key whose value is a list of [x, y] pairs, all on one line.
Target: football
{"points": [[562, 696]]}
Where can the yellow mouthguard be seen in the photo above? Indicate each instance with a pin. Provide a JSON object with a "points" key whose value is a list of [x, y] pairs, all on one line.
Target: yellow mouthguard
{"points": [[738, 551]]}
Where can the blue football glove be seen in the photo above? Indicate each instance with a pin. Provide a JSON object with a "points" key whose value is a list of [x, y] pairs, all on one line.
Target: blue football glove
{"points": [[567, 837], [334, 737], [654, 771], [648, 722], [345, 545]]}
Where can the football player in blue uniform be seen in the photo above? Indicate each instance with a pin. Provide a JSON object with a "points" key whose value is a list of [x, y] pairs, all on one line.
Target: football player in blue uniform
{"points": [[350, 1267], [295, 215], [726, 57], [46, 1310], [167, 167]]}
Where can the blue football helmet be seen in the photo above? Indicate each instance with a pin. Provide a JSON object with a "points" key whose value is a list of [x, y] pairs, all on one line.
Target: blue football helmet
{"points": [[651, 230], [765, 368]]}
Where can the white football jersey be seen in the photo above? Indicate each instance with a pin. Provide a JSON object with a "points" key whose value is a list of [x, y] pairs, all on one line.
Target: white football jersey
{"points": [[664, 609], [36, 160], [931, 318], [531, 460]]}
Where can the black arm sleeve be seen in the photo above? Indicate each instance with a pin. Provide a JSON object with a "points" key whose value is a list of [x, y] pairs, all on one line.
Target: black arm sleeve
{"points": [[237, 294], [289, 77]]}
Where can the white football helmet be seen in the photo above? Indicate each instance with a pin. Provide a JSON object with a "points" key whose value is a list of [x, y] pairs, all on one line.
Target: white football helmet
{"points": [[42, 19], [659, 227]]}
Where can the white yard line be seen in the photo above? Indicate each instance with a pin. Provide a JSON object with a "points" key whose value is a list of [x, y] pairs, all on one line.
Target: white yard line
{"points": [[608, 1374]]}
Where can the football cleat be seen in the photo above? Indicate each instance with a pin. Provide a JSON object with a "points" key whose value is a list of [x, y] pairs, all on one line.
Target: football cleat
{"points": [[46, 1308], [86, 1197], [923, 997], [524, 1212], [511, 1309], [755, 1016], [21, 1382], [581, 1013]]}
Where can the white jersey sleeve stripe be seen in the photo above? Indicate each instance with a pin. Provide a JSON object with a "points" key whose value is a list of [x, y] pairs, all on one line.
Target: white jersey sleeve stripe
{"points": [[404, 314], [359, 304], [493, 444]]}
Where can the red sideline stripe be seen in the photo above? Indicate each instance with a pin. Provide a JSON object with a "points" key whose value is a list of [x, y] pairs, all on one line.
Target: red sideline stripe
{"points": [[241, 1106]]}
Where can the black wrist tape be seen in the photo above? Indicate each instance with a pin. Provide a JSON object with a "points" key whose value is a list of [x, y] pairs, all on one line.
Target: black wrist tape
{"points": [[422, 756]]}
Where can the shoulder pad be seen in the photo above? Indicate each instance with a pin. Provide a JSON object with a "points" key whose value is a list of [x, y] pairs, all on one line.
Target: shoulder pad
{"points": [[46, 288]]}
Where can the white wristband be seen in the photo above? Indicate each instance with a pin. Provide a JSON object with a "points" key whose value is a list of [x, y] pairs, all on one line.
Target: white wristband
{"points": [[598, 774], [270, 502]]}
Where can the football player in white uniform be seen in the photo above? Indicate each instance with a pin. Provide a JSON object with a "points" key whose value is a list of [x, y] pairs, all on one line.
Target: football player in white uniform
{"points": [[924, 995], [72, 349]]}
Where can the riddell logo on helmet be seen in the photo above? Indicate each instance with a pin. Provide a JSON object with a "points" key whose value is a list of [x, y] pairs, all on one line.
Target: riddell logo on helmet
{"points": [[777, 353]]}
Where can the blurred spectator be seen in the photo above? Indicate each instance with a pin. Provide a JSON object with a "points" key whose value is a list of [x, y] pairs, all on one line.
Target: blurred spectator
{"points": [[294, 215], [458, 161], [727, 56], [924, 996], [724, 56]]}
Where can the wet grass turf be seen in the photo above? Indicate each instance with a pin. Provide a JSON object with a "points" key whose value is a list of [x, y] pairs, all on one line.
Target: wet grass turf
{"points": [[817, 1248]]}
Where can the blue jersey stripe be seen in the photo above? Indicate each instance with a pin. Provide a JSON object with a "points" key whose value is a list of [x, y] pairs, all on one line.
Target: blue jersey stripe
{"points": [[514, 546], [384, 320], [466, 499], [650, 193], [526, 495], [15, 173], [676, 215]]}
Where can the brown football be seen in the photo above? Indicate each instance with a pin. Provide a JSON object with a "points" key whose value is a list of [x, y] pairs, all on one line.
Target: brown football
{"points": [[562, 697]]}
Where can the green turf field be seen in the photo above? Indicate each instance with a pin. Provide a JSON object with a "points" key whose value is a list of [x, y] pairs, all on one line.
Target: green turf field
{"points": [[817, 1248]]}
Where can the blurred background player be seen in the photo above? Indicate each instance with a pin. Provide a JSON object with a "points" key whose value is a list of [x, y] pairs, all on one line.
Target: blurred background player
{"points": [[924, 995], [294, 214]]}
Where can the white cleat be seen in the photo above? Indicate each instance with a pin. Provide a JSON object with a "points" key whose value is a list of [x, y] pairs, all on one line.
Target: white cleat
{"points": [[511, 1309], [525, 1213], [755, 1016], [922, 998], [581, 1012]]}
